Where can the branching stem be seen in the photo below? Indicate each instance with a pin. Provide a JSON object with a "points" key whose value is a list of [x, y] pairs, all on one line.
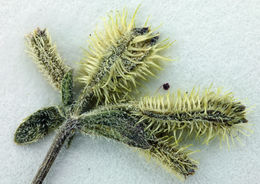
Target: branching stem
{"points": [[55, 148]]}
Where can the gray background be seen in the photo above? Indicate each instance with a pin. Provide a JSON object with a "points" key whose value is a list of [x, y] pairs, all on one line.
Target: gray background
{"points": [[216, 42]]}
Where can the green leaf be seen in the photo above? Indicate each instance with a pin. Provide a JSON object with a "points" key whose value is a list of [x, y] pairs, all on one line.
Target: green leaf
{"points": [[37, 125], [117, 125], [66, 89]]}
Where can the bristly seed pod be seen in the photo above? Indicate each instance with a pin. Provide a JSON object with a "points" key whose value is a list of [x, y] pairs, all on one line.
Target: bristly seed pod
{"points": [[207, 116], [174, 158], [167, 119], [45, 55], [118, 58]]}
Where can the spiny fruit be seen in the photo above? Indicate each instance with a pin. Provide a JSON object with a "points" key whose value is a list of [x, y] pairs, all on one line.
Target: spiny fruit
{"points": [[167, 119], [118, 58], [208, 115]]}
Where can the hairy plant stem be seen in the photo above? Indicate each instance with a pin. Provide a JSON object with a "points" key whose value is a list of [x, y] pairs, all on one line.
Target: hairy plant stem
{"points": [[65, 131], [85, 102]]}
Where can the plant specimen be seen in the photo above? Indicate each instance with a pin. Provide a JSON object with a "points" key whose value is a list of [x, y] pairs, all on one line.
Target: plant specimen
{"points": [[114, 65]]}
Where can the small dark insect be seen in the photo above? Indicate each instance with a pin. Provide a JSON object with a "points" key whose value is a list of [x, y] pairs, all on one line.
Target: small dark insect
{"points": [[166, 86]]}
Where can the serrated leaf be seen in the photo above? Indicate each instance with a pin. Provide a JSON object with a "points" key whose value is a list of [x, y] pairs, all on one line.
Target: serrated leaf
{"points": [[37, 125], [66, 89]]}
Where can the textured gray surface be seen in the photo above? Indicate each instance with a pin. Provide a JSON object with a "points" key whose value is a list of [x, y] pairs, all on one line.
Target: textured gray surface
{"points": [[216, 42]]}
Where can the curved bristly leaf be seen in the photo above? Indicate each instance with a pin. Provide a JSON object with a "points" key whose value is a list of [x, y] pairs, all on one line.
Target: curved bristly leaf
{"points": [[169, 118], [66, 89], [114, 124], [175, 159], [206, 116], [173, 117], [45, 55], [37, 125], [119, 58]]}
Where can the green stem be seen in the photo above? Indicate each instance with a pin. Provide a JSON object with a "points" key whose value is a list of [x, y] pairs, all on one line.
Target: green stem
{"points": [[85, 102]]}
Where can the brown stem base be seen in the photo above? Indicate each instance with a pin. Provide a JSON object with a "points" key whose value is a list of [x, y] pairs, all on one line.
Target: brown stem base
{"points": [[55, 148]]}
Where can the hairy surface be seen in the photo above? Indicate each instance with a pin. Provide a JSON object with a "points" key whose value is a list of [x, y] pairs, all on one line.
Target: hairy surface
{"points": [[114, 65], [118, 58], [45, 55], [38, 124], [120, 122], [207, 115]]}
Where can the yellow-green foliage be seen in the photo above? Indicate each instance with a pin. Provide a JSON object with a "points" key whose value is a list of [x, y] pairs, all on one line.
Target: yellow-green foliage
{"points": [[45, 55], [119, 57], [174, 158], [167, 119], [207, 115]]}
